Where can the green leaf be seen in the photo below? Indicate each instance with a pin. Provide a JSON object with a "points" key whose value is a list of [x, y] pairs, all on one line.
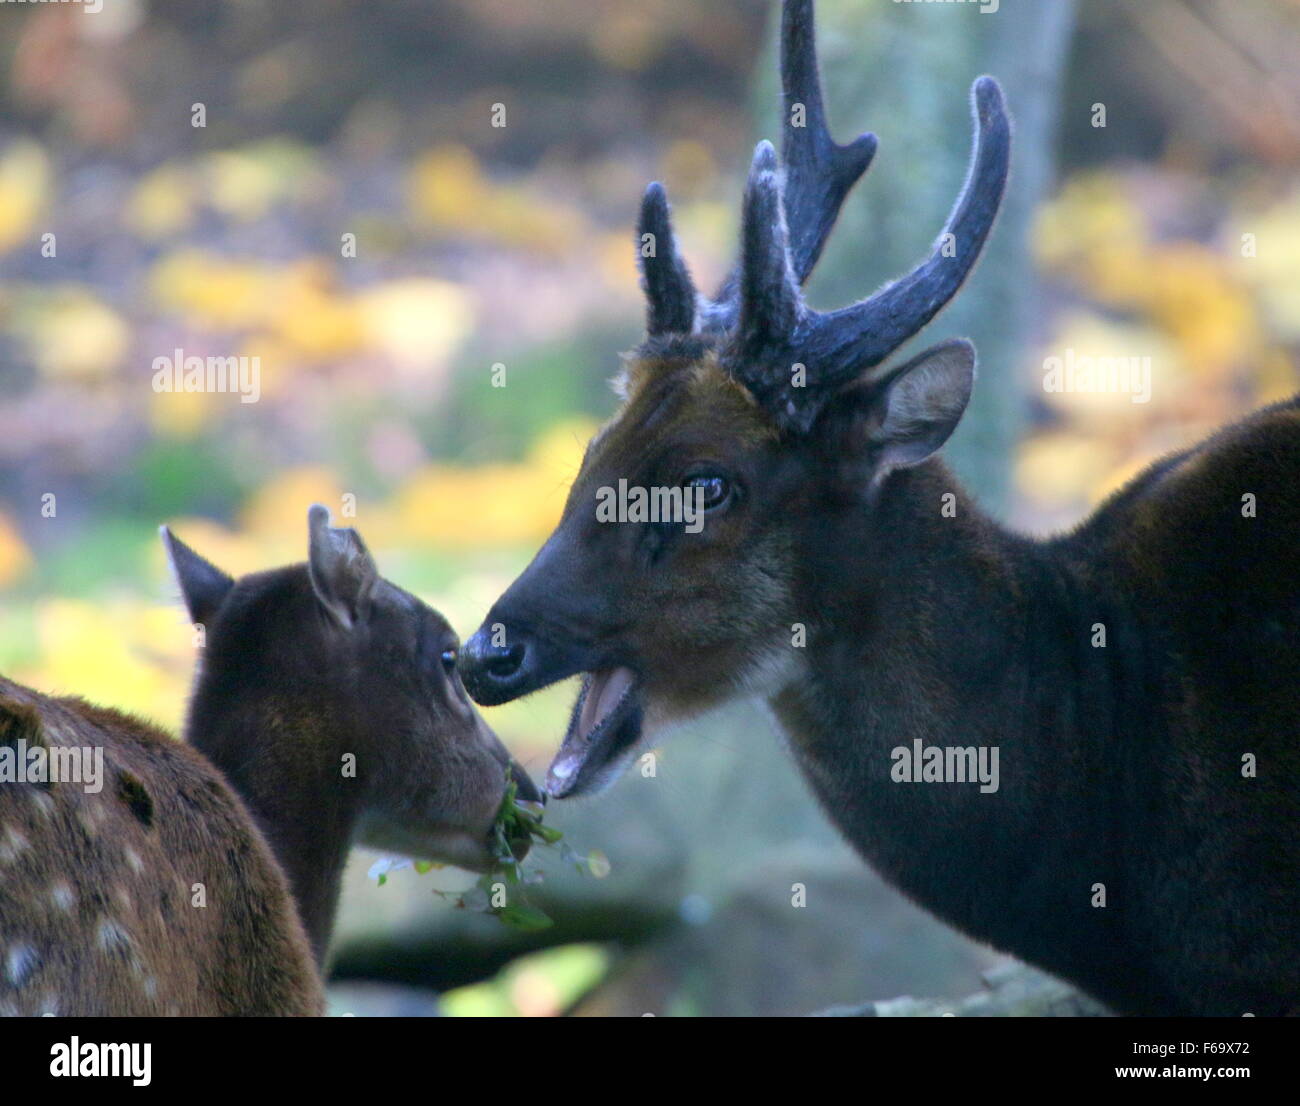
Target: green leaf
{"points": [[549, 834], [524, 917]]}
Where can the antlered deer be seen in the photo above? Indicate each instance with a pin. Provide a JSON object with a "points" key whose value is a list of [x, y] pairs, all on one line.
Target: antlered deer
{"points": [[1144, 839], [202, 878]]}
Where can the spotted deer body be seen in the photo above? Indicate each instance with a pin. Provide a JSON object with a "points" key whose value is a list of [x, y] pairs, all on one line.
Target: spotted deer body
{"points": [[201, 877], [156, 895], [1137, 677]]}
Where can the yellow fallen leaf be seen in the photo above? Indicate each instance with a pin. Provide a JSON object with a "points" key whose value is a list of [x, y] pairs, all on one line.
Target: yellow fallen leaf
{"points": [[73, 334], [25, 183], [417, 323], [162, 203], [15, 559]]}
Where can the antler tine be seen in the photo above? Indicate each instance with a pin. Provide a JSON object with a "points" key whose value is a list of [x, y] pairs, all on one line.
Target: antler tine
{"points": [[819, 171], [669, 290], [770, 303], [842, 343]]}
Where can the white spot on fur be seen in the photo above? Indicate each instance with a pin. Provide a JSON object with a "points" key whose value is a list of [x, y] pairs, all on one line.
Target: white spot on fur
{"points": [[44, 804], [112, 938], [20, 964], [133, 859], [62, 895], [13, 846]]}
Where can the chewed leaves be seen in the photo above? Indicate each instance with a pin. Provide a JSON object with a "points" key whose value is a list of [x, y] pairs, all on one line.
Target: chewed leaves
{"points": [[518, 828]]}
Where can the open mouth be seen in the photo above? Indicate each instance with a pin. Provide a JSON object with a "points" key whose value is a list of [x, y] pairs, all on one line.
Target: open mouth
{"points": [[603, 731]]}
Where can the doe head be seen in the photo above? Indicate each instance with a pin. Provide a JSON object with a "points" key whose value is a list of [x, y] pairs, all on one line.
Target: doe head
{"points": [[325, 688]]}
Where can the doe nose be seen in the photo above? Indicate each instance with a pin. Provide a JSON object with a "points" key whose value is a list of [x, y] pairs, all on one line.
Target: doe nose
{"points": [[493, 673]]}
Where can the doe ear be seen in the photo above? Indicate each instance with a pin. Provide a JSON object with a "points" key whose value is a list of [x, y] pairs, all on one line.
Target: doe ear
{"points": [[343, 574], [902, 416], [203, 585]]}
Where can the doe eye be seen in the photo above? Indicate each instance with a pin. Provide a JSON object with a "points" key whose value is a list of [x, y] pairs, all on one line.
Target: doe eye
{"points": [[715, 490], [449, 661]]}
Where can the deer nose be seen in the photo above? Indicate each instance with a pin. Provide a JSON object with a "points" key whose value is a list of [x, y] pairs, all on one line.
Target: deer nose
{"points": [[494, 671]]}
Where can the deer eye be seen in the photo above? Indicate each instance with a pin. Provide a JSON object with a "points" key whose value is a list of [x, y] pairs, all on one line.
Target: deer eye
{"points": [[716, 489], [449, 660]]}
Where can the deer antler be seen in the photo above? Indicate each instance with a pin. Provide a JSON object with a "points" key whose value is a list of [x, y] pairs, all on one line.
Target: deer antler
{"points": [[819, 174], [786, 218], [776, 330], [818, 171], [669, 291]]}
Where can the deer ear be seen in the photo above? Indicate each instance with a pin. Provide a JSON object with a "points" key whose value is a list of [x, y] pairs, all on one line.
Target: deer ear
{"points": [[900, 417], [923, 402], [343, 574], [203, 585]]}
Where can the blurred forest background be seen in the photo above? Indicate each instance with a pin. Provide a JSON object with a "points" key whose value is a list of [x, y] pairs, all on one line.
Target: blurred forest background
{"points": [[1154, 213]]}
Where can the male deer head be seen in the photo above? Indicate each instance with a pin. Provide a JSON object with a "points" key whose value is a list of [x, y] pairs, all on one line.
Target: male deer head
{"points": [[330, 699], [767, 412]]}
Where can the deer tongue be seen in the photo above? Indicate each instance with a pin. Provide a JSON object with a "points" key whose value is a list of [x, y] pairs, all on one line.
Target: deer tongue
{"points": [[604, 692]]}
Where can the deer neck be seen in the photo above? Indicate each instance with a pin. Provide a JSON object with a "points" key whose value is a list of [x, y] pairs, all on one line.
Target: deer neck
{"points": [[934, 628], [288, 771]]}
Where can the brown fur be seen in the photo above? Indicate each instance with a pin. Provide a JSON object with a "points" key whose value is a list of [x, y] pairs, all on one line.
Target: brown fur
{"points": [[1121, 766], [203, 878], [829, 580], [96, 890]]}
